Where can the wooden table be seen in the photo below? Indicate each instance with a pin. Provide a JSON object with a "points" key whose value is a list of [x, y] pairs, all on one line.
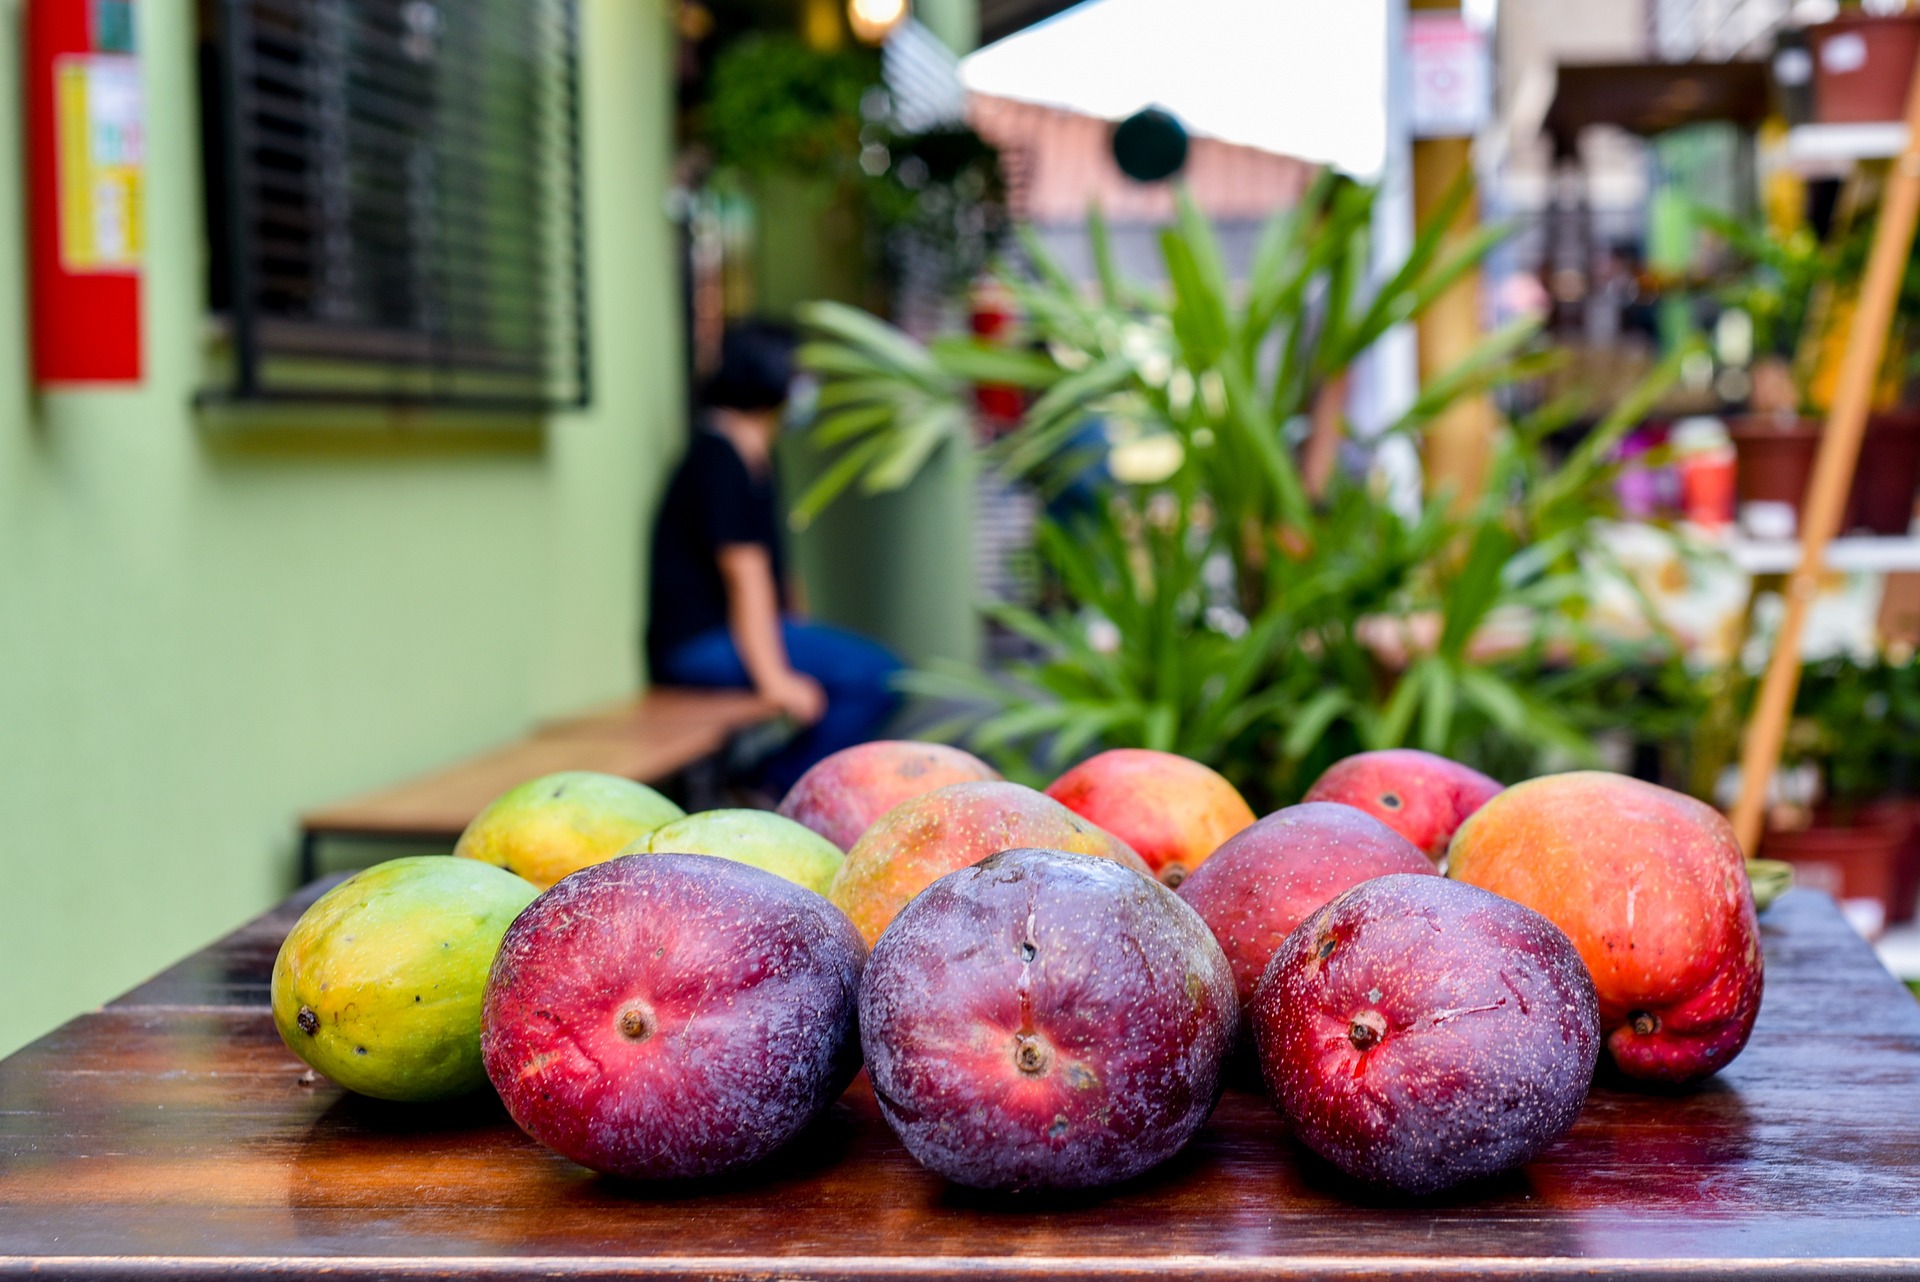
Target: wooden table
{"points": [[170, 1134]]}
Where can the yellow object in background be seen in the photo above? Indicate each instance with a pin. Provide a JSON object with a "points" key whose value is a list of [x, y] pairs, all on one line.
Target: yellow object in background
{"points": [[1783, 190], [1832, 350], [100, 109]]}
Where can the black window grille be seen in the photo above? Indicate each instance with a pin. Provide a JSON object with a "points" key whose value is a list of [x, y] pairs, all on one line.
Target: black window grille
{"points": [[395, 200]]}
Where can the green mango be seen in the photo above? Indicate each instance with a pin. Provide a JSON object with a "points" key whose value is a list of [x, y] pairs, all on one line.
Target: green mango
{"points": [[558, 824], [379, 984], [757, 837]]}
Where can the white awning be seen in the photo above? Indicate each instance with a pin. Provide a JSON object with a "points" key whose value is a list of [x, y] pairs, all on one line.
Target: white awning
{"points": [[1302, 78]]}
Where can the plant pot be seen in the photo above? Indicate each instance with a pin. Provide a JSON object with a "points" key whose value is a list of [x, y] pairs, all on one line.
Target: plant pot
{"points": [[1862, 66], [1883, 483], [1906, 886], [1775, 457], [1863, 859]]}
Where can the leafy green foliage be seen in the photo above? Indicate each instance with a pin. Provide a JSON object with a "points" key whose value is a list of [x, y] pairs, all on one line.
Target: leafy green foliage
{"points": [[1227, 377], [886, 403], [1781, 276], [777, 104], [1859, 720], [943, 198], [1789, 285], [1236, 612], [1457, 632]]}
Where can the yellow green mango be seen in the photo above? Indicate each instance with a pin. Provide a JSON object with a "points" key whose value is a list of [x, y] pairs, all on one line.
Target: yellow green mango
{"points": [[757, 837], [561, 823], [379, 984]]}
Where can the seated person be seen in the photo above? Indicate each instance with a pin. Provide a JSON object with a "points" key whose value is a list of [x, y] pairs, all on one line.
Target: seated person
{"points": [[720, 613]]}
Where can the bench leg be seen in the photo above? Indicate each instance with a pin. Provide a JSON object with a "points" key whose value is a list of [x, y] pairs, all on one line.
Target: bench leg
{"points": [[309, 855], [703, 783]]}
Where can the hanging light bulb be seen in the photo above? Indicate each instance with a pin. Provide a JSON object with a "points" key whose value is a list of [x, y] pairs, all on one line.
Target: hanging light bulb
{"points": [[874, 20]]}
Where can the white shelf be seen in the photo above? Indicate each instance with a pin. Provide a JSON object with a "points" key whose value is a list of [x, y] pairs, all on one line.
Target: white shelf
{"points": [[1851, 555], [1899, 951], [1829, 149]]}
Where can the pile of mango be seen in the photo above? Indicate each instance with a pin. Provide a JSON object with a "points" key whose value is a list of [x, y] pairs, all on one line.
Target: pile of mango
{"points": [[661, 995]]}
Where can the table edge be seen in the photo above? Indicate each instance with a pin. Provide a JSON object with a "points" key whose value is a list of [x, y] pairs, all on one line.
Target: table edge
{"points": [[933, 1269]]}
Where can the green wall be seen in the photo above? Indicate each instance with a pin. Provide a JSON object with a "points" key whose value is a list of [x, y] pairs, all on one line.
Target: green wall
{"points": [[897, 567], [205, 627]]}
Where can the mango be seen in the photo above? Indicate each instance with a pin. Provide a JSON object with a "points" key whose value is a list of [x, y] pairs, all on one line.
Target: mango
{"points": [[671, 1017], [1173, 811], [1421, 1033], [1046, 1020], [843, 795], [758, 838], [920, 841], [561, 823], [1423, 797], [379, 985], [1651, 887]]}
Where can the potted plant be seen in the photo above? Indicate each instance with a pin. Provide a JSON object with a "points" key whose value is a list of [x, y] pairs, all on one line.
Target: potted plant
{"points": [[813, 135], [1855, 840], [1863, 64], [1241, 606], [1888, 470], [1898, 681], [1798, 294], [781, 121]]}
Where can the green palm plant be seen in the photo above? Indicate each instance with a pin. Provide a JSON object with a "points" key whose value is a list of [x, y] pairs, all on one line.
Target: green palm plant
{"points": [[1230, 377], [886, 403], [1152, 651], [1242, 611]]}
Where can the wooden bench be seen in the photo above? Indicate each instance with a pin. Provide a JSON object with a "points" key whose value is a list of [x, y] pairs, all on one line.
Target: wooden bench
{"points": [[666, 736]]}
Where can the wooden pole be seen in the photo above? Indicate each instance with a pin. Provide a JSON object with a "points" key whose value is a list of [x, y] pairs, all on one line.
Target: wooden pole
{"points": [[1832, 475], [1459, 443]]}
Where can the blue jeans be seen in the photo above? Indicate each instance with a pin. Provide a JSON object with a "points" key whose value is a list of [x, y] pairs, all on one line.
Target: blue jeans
{"points": [[855, 672]]}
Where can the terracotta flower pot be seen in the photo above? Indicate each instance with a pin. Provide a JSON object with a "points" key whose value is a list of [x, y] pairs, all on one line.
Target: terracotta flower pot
{"points": [[1862, 65], [1883, 483], [1774, 458], [1861, 859], [1906, 886]]}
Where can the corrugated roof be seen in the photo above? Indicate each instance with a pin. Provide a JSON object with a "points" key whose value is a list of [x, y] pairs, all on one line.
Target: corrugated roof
{"points": [[1059, 162]]}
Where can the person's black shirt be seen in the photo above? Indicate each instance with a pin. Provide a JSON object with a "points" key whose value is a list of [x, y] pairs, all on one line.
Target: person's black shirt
{"points": [[714, 501]]}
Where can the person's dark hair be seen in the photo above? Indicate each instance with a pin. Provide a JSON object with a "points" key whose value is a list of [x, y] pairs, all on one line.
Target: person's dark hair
{"points": [[756, 367]]}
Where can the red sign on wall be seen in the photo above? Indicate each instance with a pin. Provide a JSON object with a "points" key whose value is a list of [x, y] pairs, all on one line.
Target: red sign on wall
{"points": [[86, 145]]}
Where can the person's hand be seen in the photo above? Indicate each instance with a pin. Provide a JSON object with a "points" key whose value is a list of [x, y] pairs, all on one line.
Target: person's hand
{"points": [[797, 695]]}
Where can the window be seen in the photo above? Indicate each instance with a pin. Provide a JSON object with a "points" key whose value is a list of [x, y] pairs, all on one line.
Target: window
{"points": [[394, 200]]}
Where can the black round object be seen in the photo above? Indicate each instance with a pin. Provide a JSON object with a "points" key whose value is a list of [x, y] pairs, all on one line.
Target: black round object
{"points": [[1150, 145]]}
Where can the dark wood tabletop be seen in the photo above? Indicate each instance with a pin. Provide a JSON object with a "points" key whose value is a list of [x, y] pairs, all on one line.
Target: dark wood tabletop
{"points": [[170, 1134]]}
